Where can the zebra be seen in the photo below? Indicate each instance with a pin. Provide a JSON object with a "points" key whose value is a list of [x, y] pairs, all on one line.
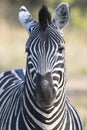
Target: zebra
{"points": [[34, 99]]}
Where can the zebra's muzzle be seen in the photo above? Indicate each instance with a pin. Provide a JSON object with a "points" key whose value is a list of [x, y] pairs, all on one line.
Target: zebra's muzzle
{"points": [[45, 93]]}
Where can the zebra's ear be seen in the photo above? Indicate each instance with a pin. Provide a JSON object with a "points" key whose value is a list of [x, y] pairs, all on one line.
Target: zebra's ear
{"points": [[26, 19], [62, 15]]}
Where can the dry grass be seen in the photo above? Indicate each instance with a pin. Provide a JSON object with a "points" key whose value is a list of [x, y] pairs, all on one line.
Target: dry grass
{"points": [[12, 47], [76, 52]]}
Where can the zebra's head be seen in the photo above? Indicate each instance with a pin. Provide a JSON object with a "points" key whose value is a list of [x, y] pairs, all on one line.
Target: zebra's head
{"points": [[45, 47]]}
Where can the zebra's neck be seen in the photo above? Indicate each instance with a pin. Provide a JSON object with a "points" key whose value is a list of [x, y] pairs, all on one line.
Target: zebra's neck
{"points": [[35, 117]]}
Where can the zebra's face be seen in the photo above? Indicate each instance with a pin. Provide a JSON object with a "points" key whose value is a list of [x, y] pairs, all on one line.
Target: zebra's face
{"points": [[46, 63], [45, 47]]}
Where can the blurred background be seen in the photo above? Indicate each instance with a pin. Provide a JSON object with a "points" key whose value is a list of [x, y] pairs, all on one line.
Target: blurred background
{"points": [[13, 38]]}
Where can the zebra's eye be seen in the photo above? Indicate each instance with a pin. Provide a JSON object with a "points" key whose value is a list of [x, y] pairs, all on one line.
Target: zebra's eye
{"points": [[60, 49]]}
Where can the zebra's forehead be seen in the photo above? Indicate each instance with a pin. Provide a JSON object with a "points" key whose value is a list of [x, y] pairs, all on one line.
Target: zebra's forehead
{"points": [[51, 35], [51, 29]]}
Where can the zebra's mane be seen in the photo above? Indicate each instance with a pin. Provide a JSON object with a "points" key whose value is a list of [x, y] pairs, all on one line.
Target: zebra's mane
{"points": [[44, 17]]}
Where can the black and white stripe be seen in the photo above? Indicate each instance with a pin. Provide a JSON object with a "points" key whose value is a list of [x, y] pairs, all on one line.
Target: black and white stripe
{"points": [[25, 105]]}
